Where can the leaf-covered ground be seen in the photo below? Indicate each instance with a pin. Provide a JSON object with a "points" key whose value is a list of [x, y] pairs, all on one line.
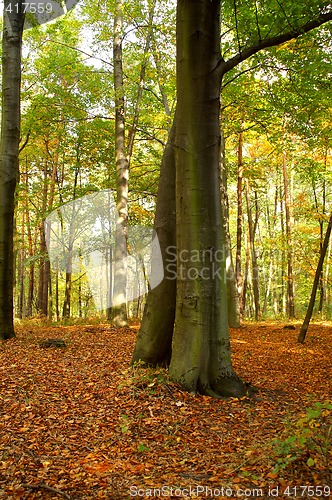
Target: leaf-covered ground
{"points": [[79, 423]]}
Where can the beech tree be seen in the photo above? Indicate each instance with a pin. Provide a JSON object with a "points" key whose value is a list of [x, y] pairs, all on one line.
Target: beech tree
{"points": [[13, 21], [191, 329]]}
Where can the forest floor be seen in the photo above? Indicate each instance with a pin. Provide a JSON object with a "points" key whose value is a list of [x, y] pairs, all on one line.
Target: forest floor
{"points": [[80, 423]]}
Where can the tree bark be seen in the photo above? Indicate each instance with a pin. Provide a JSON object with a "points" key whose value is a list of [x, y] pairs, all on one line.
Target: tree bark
{"points": [[201, 357], [305, 325], [9, 150], [289, 242], [233, 299], [239, 222], [67, 301], [44, 266], [153, 344], [119, 309], [252, 225], [21, 266], [200, 346]]}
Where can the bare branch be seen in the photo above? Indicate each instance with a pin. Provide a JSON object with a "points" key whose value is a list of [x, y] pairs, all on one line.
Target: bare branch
{"points": [[257, 22], [47, 488], [24, 143], [239, 74]]}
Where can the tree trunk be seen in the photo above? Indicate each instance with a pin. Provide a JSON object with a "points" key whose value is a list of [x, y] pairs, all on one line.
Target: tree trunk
{"points": [[246, 275], [239, 222], [320, 215], [251, 237], [44, 269], [201, 357], [9, 150], [283, 297], [21, 266], [67, 301], [57, 308], [289, 242], [119, 309], [310, 309], [233, 300], [44, 266], [153, 345], [200, 349]]}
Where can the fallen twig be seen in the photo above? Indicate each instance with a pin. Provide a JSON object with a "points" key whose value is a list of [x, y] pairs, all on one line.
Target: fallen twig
{"points": [[46, 487]]}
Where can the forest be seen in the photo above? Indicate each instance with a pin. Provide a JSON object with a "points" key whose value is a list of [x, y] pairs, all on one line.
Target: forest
{"points": [[165, 220]]}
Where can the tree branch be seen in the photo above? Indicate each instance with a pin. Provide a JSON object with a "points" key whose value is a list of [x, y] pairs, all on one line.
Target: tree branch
{"points": [[47, 488], [226, 66], [239, 74], [25, 142]]}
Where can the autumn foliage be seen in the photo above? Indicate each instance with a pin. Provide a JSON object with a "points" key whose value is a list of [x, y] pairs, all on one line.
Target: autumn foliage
{"points": [[78, 422]]}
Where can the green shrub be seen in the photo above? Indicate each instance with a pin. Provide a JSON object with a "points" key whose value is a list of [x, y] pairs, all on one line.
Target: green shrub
{"points": [[308, 441]]}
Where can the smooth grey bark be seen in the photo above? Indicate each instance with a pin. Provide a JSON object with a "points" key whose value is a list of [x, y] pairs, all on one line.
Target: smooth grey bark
{"points": [[123, 154], [9, 150], [201, 356], [153, 344]]}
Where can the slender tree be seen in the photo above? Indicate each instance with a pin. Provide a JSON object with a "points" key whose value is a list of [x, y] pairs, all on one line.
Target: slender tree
{"points": [[289, 243], [305, 325], [119, 309], [239, 221]]}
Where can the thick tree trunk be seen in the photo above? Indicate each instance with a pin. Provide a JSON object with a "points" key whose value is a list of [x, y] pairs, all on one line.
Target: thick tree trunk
{"points": [[153, 345], [9, 150], [119, 309], [200, 350], [310, 309], [201, 357]]}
